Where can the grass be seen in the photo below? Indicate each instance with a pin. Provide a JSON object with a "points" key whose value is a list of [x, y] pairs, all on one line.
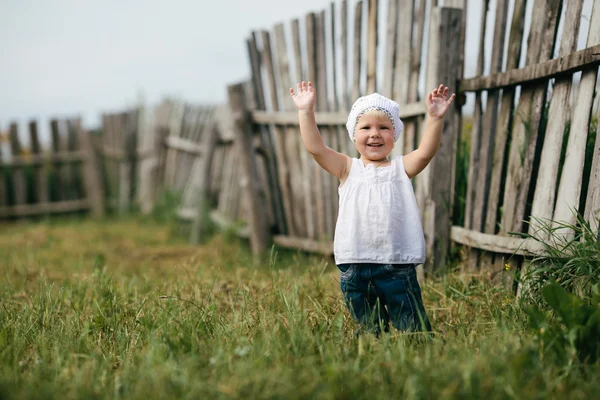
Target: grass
{"points": [[121, 309]]}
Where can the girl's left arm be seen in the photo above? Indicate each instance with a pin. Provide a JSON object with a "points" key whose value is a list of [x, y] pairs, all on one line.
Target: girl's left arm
{"points": [[438, 104]]}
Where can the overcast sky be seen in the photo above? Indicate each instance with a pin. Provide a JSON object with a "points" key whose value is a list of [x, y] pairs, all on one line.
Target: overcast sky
{"points": [[68, 57]]}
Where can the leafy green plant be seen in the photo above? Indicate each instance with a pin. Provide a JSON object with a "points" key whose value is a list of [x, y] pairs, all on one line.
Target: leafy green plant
{"points": [[571, 331], [571, 257]]}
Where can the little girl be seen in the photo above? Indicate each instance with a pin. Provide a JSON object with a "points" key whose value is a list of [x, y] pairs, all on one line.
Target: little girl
{"points": [[378, 238]]}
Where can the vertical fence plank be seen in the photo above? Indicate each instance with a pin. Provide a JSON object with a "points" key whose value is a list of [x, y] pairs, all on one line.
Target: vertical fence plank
{"points": [[279, 135], [147, 173], [291, 148], [18, 174], [528, 116], [199, 183], [92, 183], [339, 136], [40, 172], [265, 138], [326, 133], [344, 47], [315, 175], [544, 197], [3, 188], [305, 160], [387, 88], [74, 168], [503, 126], [357, 50], [476, 129], [256, 215], [592, 203], [445, 26], [490, 118], [569, 189], [402, 70], [372, 47]]}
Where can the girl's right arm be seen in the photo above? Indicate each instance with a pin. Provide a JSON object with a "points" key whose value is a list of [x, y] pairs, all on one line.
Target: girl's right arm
{"points": [[330, 160]]}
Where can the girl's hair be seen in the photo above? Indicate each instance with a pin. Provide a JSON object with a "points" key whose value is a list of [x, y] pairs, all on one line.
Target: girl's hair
{"points": [[376, 113]]}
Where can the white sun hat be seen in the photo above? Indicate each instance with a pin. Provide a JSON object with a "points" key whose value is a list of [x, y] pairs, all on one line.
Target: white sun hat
{"points": [[370, 102]]}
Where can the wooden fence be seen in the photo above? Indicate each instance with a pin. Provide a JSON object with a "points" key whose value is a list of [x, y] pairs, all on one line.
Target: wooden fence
{"points": [[303, 198], [534, 157], [63, 179]]}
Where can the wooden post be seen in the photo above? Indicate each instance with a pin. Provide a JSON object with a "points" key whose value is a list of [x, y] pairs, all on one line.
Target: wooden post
{"points": [[41, 183], [442, 67], [91, 178], [19, 179], [202, 171], [257, 219]]}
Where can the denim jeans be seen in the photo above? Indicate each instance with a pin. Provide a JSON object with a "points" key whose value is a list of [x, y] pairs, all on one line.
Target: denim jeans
{"points": [[380, 294]]}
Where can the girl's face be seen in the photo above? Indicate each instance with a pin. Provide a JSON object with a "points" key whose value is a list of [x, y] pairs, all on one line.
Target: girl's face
{"points": [[374, 136]]}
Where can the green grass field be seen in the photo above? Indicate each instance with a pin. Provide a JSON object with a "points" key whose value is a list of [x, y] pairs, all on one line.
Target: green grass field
{"points": [[122, 309]]}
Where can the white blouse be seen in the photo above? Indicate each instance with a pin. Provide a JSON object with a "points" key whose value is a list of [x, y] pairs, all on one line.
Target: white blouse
{"points": [[378, 219]]}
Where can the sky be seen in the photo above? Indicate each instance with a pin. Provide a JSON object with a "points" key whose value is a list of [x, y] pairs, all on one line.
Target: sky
{"points": [[66, 57]]}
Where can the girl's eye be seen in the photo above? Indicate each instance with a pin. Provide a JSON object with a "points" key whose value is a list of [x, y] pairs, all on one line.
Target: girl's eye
{"points": [[364, 127]]}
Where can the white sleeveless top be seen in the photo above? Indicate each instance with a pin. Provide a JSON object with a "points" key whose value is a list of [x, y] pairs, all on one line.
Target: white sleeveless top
{"points": [[378, 219]]}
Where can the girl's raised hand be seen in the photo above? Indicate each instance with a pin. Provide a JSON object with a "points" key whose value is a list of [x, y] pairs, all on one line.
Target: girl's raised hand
{"points": [[305, 96], [438, 102]]}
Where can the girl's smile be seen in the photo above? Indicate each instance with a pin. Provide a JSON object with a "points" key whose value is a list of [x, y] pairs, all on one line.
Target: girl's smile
{"points": [[374, 136]]}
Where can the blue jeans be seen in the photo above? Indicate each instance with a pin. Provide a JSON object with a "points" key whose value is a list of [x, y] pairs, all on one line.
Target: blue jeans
{"points": [[380, 294]]}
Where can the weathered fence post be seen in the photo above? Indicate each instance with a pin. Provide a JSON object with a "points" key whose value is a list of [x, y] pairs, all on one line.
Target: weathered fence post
{"points": [[257, 219], [94, 192], [436, 183]]}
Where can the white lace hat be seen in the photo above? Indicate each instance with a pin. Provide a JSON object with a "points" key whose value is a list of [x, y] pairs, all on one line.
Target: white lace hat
{"points": [[370, 102]]}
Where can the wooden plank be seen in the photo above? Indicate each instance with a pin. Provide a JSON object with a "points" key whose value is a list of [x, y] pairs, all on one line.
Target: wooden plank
{"points": [[63, 157], [65, 170], [175, 125], [92, 182], [472, 186], [412, 110], [41, 184], [291, 139], [503, 126], [26, 210], [278, 133], [256, 216], [357, 50], [327, 180], [569, 189], [443, 67], [402, 72], [344, 103], [312, 246], [147, 171], [266, 140], [315, 176], [200, 182], [541, 71], [496, 243], [387, 88], [74, 169], [416, 54], [490, 119], [528, 116], [18, 174], [338, 133], [188, 146], [592, 203], [544, 197], [372, 47], [305, 160]]}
